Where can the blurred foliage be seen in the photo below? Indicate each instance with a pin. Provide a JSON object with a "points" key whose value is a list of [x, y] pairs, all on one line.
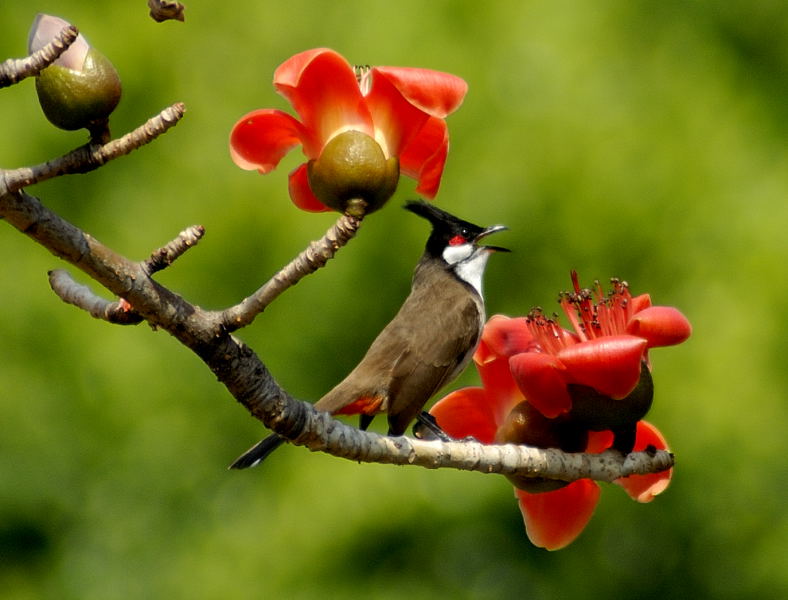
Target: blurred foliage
{"points": [[640, 139]]}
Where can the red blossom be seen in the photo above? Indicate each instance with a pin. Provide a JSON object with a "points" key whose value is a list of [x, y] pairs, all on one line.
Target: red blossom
{"points": [[533, 360], [605, 351], [401, 109]]}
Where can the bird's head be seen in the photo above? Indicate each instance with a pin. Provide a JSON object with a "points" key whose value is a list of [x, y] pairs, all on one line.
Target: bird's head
{"points": [[457, 242]]}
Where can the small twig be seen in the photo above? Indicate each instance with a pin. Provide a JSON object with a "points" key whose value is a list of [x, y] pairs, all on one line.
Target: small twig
{"points": [[90, 157], [81, 296], [166, 255], [315, 256], [15, 70], [165, 10]]}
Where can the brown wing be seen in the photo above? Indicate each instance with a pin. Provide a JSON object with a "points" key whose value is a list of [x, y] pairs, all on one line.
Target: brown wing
{"points": [[418, 352]]}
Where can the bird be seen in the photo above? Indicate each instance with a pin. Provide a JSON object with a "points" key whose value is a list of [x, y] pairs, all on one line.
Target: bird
{"points": [[429, 341]]}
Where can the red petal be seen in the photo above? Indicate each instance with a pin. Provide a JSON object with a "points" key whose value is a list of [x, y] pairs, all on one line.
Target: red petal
{"points": [[464, 413], [424, 157], [322, 87], [660, 325], [644, 488], [542, 379], [396, 120], [289, 72], [553, 520], [300, 192], [502, 391], [599, 441], [434, 92], [261, 138], [610, 364], [503, 337], [639, 303]]}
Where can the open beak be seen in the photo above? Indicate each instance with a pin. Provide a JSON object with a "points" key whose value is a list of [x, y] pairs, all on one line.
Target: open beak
{"points": [[490, 231]]}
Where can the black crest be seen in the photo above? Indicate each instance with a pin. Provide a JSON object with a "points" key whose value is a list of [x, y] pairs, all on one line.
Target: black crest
{"points": [[447, 230]]}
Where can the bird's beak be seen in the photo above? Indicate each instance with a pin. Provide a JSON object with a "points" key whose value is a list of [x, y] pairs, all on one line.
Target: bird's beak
{"points": [[490, 231]]}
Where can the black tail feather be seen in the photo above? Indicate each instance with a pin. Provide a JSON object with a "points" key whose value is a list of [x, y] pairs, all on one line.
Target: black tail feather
{"points": [[258, 453]]}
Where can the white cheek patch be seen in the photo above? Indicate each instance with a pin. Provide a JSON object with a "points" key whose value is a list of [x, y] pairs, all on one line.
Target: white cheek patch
{"points": [[454, 254]]}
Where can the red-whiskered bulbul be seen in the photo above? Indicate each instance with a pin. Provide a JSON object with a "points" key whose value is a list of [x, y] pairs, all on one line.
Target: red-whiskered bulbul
{"points": [[429, 341]]}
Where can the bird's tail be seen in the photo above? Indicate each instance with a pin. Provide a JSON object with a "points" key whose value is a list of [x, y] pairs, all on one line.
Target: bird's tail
{"points": [[258, 453]]}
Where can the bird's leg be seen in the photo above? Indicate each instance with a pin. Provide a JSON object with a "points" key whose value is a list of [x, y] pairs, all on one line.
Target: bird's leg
{"points": [[364, 421]]}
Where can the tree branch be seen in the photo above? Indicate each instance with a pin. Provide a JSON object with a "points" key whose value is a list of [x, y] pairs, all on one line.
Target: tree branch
{"points": [[81, 296], [91, 156], [319, 431], [250, 382], [316, 255], [15, 70], [169, 253]]}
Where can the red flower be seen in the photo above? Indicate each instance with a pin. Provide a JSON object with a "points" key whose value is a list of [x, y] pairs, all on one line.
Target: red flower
{"points": [[503, 410], [605, 351], [400, 112]]}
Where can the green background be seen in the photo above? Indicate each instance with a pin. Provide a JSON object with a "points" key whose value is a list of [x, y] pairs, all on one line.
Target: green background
{"points": [[640, 139]]}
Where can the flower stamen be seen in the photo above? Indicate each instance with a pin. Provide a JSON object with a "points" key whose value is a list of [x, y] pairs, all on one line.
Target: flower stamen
{"points": [[363, 78]]}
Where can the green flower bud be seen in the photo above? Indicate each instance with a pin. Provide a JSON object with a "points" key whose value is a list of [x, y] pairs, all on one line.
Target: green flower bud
{"points": [[353, 175], [81, 88]]}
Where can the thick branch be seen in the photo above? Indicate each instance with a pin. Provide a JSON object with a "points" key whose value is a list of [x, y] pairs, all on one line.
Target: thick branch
{"points": [[89, 157], [15, 70], [321, 432], [316, 255]]}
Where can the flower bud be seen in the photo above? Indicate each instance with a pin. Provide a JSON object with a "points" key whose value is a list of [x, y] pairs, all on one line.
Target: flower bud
{"points": [[526, 425], [81, 88], [353, 175]]}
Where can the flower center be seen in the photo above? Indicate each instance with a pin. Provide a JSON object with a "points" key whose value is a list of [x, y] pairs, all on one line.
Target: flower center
{"points": [[591, 313]]}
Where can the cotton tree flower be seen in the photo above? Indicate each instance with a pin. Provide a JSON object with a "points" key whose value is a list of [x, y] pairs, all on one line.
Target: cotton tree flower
{"points": [[359, 128], [81, 88], [568, 415], [598, 372]]}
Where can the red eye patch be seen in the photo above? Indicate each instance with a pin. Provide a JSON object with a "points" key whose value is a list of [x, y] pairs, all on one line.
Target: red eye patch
{"points": [[457, 240]]}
